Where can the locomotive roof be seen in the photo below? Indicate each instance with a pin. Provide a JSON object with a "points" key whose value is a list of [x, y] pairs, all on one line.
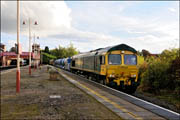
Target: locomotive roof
{"points": [[118, 47], [101, 51]]}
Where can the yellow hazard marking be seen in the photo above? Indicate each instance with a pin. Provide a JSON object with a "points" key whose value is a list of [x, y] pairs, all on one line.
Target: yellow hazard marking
{"points": [[111, 102]]}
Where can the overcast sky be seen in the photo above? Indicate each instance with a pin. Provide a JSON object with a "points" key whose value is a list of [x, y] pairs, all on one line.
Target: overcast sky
{"points": [[153, 26]]}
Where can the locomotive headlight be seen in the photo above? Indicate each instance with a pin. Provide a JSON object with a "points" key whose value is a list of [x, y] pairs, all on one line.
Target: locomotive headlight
{"points": [[111, 75], [133, 75]]}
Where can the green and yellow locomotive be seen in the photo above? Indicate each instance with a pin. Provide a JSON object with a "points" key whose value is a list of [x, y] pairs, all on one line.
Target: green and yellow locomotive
{"points": [[115, 66]]}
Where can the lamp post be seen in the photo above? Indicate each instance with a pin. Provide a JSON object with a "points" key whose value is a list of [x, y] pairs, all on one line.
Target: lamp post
{"points": [[35, 52], [30, 43], [18, 54]]}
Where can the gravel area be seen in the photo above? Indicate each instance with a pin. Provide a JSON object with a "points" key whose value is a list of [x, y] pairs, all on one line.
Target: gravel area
{"points": [[42, 98], [152, 99]]}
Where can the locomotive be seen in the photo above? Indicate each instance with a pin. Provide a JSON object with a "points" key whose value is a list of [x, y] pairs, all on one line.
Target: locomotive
{"points": [[115, 66]]}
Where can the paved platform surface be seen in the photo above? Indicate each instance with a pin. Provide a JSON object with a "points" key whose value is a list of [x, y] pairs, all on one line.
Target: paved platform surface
{"points": [[120, 106], [41, 98]]}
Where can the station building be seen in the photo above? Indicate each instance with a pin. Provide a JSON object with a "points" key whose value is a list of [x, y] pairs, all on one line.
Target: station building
{"points": [[10, 58]]}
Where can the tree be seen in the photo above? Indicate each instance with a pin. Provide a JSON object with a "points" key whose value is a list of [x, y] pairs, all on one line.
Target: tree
{"points": [[47, 57], [62, 52], [13, 49], [71, 51], [146, 53], [46, 50]]}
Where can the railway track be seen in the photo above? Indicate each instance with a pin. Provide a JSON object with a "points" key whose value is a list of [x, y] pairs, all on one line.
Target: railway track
{"points": [[7, 67], [149, 108]]}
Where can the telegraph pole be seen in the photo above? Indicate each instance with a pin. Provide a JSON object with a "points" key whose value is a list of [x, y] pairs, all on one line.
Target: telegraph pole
{"points": [[18, 52]]}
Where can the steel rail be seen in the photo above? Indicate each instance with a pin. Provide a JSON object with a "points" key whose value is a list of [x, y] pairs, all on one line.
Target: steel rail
{"points": [[9, 67]]}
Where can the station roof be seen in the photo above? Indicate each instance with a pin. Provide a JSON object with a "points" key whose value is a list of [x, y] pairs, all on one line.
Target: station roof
{"points": [[13, 54]]}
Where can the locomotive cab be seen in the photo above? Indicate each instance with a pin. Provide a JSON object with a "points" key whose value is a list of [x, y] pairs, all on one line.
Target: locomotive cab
{"points": [[121, 68]]}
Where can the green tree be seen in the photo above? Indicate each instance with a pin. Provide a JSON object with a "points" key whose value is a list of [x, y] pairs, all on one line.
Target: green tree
{"points": [[13, 49], [62, 52], [47, 57], [169, 55], [161, 73], [71, 51], [46, 50], [145, 53]]}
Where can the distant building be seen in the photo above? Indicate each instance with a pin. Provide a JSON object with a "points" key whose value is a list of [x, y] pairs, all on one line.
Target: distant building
{"points": [[2, 47], [36, 54], [10, 58], [35, 48]]}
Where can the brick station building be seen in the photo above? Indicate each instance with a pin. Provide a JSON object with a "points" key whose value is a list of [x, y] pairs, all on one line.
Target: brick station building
{"points": [[36, 54], [10, 58]]}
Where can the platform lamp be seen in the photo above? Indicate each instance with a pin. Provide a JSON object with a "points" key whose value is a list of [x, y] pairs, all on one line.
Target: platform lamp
{"points": [[18, 54], [35, 23], [35, 51]]}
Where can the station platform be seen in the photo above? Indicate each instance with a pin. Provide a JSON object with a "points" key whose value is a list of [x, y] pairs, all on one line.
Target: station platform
{"points": [[42, 98], [122, 107]]}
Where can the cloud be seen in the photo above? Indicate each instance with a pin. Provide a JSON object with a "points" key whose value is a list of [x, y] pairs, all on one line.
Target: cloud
{"points": [[92, 25], [51, 16], [85, 41], [172, 9], [155, 32], [135, 32], [11, 43]]}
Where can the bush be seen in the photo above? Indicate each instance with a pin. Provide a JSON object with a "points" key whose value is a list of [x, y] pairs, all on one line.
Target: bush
{"points": [[174, 75], [154, 77], [47, 57], [161, 73]]}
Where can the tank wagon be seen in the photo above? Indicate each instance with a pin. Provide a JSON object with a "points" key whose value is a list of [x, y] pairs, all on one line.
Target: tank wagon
{"points": [[115, 66], [67, 63], [63, 63]]}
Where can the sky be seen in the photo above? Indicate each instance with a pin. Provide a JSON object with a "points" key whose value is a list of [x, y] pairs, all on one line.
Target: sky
{"points": [[88, 25]]}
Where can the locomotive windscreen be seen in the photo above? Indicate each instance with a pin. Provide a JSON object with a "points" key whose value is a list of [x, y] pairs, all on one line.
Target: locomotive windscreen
{"points": [[114, 59], [130, 59]]}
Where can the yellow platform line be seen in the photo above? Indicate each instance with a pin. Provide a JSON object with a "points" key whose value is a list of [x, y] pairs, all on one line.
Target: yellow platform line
{"points": [[111, 102]]}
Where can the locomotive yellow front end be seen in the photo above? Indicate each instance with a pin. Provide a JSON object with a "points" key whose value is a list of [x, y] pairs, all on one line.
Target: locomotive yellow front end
{"points": [[121, 69]]}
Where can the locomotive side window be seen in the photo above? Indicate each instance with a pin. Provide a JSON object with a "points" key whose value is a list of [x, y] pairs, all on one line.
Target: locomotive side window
{"points": [[130, 59], [102, 60], [114, 59], [73, 63]]}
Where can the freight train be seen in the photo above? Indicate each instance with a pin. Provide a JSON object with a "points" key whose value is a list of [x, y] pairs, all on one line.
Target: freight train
{"points": [[115, 66]]}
